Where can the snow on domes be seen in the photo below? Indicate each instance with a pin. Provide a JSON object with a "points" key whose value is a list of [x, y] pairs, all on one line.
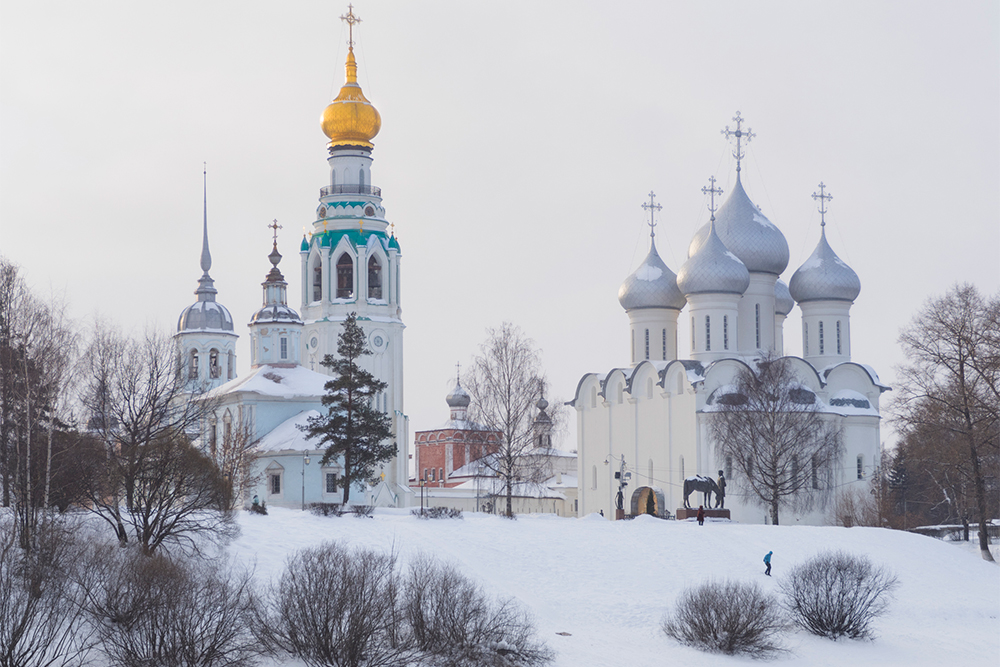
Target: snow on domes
{"points": [[458, 397], [824, 277], [652, 285], [712, 269], [783, 301], [205, 316], [747, 233]]}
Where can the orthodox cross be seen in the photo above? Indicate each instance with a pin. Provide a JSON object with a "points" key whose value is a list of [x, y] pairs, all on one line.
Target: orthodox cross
{"points": [[458, 373], [741, 135], [652, 207], [823, 198], [361, 225], [350, 19], [275, 226], [711, 191]]}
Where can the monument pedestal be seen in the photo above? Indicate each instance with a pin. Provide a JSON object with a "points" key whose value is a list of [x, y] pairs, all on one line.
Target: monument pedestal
{"points": [[685, 513]]}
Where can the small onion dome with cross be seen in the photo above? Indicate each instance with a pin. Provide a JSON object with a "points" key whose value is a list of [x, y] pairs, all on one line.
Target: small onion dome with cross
{"points": [[712, 269], [351, 120], [652, 285], [824, 276]]}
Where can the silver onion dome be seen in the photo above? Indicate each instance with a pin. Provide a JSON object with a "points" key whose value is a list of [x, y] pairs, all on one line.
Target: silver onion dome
{"points": [[458, 397], [783, 301], [824, 277], [712, 269], [652, 285], [747, 233]]}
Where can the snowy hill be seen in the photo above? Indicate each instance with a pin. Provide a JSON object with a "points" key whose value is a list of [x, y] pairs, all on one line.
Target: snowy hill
{"points": [[608, 584]]}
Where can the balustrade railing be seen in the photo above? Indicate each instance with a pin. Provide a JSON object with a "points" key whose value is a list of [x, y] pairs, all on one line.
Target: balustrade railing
{"points": [[350, 189]]}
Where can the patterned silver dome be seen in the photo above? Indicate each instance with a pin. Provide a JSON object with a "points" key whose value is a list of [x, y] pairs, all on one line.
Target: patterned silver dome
{"points": [[205, 315], [276, 307], [783, 301], [712, 269], [277, 313], [753, 238], [458, 397], [824, 277], [652, 285]]}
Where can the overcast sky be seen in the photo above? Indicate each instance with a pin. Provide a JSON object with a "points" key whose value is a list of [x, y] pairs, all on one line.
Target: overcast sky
{"points": [[518, 142]]}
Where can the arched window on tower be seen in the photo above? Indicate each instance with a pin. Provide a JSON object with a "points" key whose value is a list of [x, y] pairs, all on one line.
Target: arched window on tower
{"points": [[838, 337], [821, 345], [345, 277], [374, 278], [647, 343], [230, 365], [664, 345], [361, 180], [725, 332], [193, 365], [214, 370], [756, 309], [318, 281], [333, 178], [708, 333]]}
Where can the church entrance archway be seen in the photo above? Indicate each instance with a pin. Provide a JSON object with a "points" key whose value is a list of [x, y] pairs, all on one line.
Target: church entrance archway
{"points": [[641, 501]]}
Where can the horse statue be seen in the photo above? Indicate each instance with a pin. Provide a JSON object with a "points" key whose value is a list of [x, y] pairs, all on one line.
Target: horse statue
{"points": [[706, 485]]}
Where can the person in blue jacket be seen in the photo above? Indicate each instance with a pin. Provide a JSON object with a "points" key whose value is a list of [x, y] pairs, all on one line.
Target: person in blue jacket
{"points": [[767, 561]]}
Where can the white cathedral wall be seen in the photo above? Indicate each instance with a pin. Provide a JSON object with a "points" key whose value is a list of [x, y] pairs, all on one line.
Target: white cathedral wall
{"points": [[760, 293], [825, 353]]}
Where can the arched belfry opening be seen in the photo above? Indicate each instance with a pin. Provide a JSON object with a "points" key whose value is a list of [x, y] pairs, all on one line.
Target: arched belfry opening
{"points": [[374, 278], [648, 500], [345, 277]]}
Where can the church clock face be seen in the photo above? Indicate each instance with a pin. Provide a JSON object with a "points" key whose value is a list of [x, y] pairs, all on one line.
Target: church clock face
{"points": [[379, 341], [369, 211], [314, 342], [322, 211]]}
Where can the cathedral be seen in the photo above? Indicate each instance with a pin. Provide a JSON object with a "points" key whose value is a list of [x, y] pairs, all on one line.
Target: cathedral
{"points": [[647, 423], [349, 263]]}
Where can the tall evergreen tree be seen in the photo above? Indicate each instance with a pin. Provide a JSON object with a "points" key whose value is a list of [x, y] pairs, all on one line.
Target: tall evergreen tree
{"points": [[352, 428]]}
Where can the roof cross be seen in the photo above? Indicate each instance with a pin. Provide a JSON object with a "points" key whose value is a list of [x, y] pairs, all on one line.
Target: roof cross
{"points": [[458, 373], [350, 19], [275, 226], [652, 207], [741, 135], [711, 191], [823, 198]]}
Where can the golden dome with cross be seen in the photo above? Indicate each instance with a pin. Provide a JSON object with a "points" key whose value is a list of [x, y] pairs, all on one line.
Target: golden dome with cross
{"points": [[351, 120]]}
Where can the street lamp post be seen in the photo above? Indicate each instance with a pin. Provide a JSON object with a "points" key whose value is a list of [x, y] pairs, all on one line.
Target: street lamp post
{"points": [[305, 462], [422, 482]]}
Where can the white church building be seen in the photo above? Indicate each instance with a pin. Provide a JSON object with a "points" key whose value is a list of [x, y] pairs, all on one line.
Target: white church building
{"points": [[350, 263], [650, 418]]}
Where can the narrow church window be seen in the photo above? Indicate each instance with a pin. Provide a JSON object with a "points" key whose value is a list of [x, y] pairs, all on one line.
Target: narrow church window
{"points": [[708, 333], [374, 278], [317, 282], [345, 277], [274, 483], [361, 180], [838, 337], [729, 466], [795, 471], [805, 338], [725, 332], [230, 365], [284, 347], [815, 472], [647, 343], [333, 179], [193, 365], [664, 345], [214, 370], [331, 482], [821, 338], [441, 474], [593, 483], [757, 316], [861, 466], [213, 438]]}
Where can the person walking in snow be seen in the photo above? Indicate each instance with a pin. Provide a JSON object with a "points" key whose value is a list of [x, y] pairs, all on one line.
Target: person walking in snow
{"points": [[701, 515], [767, 561]]}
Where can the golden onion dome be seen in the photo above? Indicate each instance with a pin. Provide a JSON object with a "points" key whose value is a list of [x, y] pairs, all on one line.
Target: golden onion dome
{"points": [[351, 120]]}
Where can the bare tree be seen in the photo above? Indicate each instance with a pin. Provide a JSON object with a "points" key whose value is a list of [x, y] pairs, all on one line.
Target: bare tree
{"points": [[152, 482], [505, 382], [782, 445], [951, 386], [235, 455]]}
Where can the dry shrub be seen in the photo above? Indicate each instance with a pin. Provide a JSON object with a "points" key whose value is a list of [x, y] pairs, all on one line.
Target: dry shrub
{"points": [[170, 613], [455, 624], [336, 607], [731, 617], [837, 594], [326, 509], [437, 513]]}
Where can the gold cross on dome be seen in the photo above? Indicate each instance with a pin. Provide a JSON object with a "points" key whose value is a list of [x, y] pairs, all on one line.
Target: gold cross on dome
{"points": [[741, 135], [350, 19], [652, 207], [823, 198], [711, 190], [275, 226]]}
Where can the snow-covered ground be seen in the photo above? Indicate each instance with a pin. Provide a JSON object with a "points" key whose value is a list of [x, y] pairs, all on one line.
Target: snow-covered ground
{"points": [[608, 584]]}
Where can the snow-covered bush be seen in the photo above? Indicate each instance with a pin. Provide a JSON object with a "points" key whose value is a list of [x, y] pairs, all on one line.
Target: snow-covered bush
{"points": [[158, 611], [837, 594], [729, 617], [362, 510], [39, 603], [454, 623], [336, 607], [326, 509]]}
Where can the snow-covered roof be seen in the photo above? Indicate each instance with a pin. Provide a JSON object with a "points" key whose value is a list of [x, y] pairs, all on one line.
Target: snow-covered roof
{"points": [[276, 381], [287, 435]]}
